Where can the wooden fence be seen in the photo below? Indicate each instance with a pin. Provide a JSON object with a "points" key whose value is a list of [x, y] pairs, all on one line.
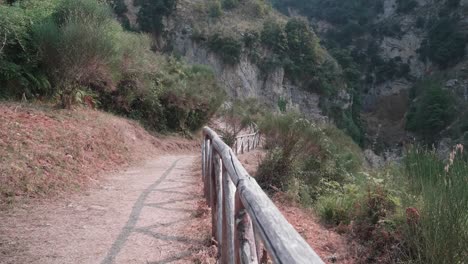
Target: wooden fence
{"points": [[244, 219], [246, 143]]}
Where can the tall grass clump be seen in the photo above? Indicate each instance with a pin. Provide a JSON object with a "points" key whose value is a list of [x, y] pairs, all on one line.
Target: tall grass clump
{"points": [[305, 159], [439, 234]]}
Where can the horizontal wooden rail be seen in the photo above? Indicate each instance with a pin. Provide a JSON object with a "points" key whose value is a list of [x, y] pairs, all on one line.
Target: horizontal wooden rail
{"points": [[246, 143], [243, 216]]}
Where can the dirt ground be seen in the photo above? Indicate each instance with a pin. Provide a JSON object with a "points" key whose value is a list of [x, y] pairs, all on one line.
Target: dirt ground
{"points": [[146, 214]]}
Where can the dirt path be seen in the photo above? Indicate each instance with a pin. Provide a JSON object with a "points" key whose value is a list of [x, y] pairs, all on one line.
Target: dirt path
{"points": [[137, 216]]}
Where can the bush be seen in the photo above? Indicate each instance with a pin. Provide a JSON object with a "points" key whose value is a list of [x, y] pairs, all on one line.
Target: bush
{"points": [[230, 4], [79, 47], [274, 37], [20, 72], [214, 9], [227, 47], [76, 49], [431, 113], [152, 12], [302, 45], [299, 151], [406, 6], [445, 43]]}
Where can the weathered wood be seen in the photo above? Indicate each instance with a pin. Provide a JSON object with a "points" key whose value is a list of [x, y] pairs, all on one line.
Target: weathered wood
{"points": [[209, 171], [213, 194], [228, 253], [283, 243], [245, 240], [219, 201], [281, 240], [203, 159]]}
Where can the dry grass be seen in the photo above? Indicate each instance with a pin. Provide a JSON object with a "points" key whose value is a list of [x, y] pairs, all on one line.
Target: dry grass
{"points": [[45, 152]]}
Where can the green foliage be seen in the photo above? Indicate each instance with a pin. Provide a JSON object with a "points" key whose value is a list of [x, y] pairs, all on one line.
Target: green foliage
{"points": [[274, 37], [74, 49], [119, 7], [20, 73], [335, 11], [302, 45], [441, 234], [445, 43], [230, 4], [227, 47], [79, 47], [214, 9], [152, 12], [431, 113], [282, 103], [452, 3], [303, 154], [406, 6]]}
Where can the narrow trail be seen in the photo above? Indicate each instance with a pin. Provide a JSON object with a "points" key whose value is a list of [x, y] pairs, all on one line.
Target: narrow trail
{"points": [[136, 216]]}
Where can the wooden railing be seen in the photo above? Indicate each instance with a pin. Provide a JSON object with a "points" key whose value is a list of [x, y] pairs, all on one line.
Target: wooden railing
{"points": [[246, 143], [244, 219]]}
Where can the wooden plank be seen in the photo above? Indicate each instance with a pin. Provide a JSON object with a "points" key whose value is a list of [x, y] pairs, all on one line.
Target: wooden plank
{"points": [[245, 239], [282, 241], [213, 198], [203, 157], [219, 202], [228, 255], [208, 172]]}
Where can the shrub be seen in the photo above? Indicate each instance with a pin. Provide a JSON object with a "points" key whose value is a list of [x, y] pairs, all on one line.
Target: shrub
{"points": [[119, 7], [20, 73], [79, 47], [230, 4], [303, 152], [431, 113], [302, 45], [406, 6], [214, 9], [152, 12], [439, 234], [445, 43], [227, 47], [274, 37]]}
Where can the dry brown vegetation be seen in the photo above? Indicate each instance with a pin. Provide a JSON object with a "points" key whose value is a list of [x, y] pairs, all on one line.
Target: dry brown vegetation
{"points": [[44, 151]]}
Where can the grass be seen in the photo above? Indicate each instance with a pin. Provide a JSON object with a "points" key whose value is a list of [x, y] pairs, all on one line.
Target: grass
{"points": [[44, 151], [441, 234], [415, 212]]}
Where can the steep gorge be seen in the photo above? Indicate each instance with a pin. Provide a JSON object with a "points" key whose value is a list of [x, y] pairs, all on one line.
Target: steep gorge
{"points": [[376, 52]]}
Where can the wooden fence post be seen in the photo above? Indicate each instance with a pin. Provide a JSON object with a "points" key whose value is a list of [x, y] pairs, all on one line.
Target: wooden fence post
{"points": [[204, 163], [219, 202], [229, 189], [213, 194], [245, 238], [208, 171]]}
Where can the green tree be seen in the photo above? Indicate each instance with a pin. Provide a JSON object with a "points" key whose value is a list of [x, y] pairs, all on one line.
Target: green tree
{"points": [[302, 44], [431, 113], [152, 12]]}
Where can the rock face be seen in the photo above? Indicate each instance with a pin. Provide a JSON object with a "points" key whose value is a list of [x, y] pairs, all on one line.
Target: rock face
{"points": [[244, 80]]}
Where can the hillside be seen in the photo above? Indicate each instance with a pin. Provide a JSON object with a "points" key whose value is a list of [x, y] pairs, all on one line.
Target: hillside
{"points": [[255, 52], [45, 151], [401, 56]]}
